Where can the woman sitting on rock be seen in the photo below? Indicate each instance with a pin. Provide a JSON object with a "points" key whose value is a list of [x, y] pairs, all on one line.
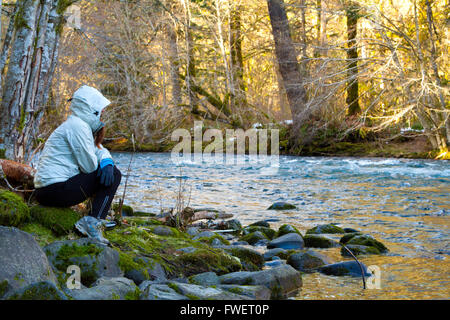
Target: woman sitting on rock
{"points": [[75, 166]]}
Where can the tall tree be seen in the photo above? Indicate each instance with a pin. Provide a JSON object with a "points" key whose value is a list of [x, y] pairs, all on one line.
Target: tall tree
{"points": [[287, 62], [352, 12]]}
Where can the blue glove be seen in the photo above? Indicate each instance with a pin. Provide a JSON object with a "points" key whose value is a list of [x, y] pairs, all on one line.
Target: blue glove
{"points": [[106, 172]]}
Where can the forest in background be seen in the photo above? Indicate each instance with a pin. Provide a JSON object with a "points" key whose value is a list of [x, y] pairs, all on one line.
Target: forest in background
{"points": [[325, 72]]}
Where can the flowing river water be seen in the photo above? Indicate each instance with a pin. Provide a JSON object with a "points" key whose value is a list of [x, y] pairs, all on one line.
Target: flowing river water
{"points": [[403, 203]]}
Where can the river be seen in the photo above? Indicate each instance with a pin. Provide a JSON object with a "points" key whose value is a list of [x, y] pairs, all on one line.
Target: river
{"points": [[403, 203]]}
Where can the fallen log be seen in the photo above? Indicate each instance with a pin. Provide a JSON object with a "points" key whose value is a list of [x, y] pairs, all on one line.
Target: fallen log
{"points": [[17, 173], [188, 216]]}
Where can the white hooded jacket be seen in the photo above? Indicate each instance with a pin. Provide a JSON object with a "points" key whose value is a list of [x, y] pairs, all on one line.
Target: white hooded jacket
{"points": [[70, 149]]}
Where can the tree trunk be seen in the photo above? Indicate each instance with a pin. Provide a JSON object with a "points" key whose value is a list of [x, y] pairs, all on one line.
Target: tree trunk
{"points": [[287, 62], [352, 12], [174, 61]]}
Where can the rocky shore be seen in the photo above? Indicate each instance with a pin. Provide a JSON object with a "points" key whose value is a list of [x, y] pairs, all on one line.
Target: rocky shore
{"points": [[147, 260]]}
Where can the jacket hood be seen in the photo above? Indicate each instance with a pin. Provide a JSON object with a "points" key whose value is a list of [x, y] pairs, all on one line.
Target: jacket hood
{"points": [[87, 104]]}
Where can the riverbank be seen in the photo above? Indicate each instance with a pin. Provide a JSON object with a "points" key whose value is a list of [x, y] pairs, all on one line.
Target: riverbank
{"points": [[414, 147]]}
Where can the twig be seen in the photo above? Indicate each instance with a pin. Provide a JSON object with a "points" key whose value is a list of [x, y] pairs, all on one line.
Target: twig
{"points": [[126, 180], [359, 263]]}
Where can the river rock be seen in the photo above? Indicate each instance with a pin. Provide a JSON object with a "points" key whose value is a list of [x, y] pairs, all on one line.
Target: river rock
{"points": [[253, 237], [365, 240], [317, 241], [205, 279], [346, 268], [197, 292], [106, 288], [358, 250], [161, 292], [274, 263], [261, 223], [268, 232], [152, 271], [251, 260], [253, 292], [325, 228], [44, 290], [275, 252], [287, 228], [22, 261], [94, 259], [288, 241], [280, 280], [281, 206], [307, 261]]}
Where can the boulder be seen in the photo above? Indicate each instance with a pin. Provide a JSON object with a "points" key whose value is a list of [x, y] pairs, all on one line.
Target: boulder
{"points": [[161, 291], [288, 241], [252, 292], [316, 241], [93, 258], [325, 228], [107, 288], [22, 261], [196, 292], [148, 270], [44, 290], [275, 252], [307, 261], [281, 206], [346, 268], [365, 240], [205, 279], [13, 210], [280, 280], [261, 223]]}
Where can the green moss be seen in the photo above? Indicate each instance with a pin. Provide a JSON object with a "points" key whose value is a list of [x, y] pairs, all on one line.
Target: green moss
{"points": [[253, 237], [126, 210], [325, 228], [3, 287], [315, 241], [41, 234], [37, 292], [287, 228], [346, 237], [13, 210], [236, 290], [365, 240], [60, 220], [133, 294], [359, 250], [270, 233], [19, 20], [143, 214], [250, 260], [2, 154], [204, 260], [209, 240]]}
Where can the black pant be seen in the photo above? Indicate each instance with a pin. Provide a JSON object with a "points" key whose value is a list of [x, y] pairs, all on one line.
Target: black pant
{"points": [[77, 189]]}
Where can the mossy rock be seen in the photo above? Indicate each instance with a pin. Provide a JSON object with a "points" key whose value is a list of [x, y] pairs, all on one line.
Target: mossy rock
{"points": [[261, 223], [143, 221], [281, 206], [126, 210], [253, 237], [204, 260], [316, 241], [325, 228], [251, 260], [358, 250], [368, 241], [13, 210], [270, 233], [43, 290], [210, 240], [60, 220], [346, 237], [143, 214], [287, 228]]}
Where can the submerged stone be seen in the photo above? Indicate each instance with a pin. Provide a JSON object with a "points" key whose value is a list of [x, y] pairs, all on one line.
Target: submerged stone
{"points": [[307, 261], [253, 237], [358, 250], [325, 228], [281, 206], [287, 228], [346, 268]]}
